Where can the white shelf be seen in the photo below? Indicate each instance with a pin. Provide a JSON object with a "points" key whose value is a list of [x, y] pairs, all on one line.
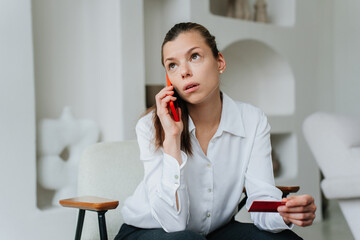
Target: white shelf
{"points": [[280, 12]]}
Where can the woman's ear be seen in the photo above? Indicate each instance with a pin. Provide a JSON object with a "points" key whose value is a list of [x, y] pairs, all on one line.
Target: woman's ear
{"points": [[221, 63]]}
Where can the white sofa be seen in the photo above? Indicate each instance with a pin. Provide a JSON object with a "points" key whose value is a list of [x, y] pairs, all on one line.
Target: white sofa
{"points": [[335, 143]]}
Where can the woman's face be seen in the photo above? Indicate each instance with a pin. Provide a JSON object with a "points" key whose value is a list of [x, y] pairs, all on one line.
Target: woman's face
{"points": [[192, 68]]}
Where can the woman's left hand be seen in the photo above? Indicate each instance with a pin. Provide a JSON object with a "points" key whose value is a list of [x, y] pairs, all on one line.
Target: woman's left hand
{"points": [[299, 210]]}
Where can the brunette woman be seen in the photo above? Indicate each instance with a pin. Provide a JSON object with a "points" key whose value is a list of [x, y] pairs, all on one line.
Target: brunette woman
{"points": [[196, 168]]}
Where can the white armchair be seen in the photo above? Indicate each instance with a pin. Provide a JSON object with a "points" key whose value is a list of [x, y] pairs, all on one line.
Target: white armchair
{"points": [[335, 143], [109, 170]]}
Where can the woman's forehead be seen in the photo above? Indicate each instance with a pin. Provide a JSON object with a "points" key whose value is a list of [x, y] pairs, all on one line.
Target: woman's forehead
{"points": [[183, 43]]}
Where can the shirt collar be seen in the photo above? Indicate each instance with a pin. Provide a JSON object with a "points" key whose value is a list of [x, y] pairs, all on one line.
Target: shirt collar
{"points": [[191, 124], [231, 119]]}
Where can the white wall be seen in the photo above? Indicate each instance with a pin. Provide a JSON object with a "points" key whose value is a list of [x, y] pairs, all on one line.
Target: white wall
{"points": [[19, 214], [160, 16], [133, 65], [346, 37], [77, 56], [17, 117], [325, 63], [80, 56]]}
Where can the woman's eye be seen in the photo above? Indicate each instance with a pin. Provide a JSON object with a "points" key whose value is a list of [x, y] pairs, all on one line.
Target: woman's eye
{"points": [[172, 66], [195, 56]]}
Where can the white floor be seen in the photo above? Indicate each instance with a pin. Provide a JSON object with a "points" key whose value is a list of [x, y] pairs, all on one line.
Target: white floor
{"points": [[333, 226]]}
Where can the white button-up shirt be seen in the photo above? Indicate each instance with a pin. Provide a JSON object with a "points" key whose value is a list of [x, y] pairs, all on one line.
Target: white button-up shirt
{"points": [[209, 187]]}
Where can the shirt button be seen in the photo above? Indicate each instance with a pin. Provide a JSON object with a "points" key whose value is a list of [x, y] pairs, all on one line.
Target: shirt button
{"points": [[209, 190], [208, 214], [176, 176], [208, 165], [213, 140]]}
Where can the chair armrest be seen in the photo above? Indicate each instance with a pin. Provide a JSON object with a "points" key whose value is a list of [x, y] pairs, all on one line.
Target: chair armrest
{"points": [[92, 203], [286, 190]]}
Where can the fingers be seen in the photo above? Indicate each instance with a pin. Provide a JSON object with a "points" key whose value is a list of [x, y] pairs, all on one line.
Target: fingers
{"points": [[163, 98], [308, 208], [300, 219], [164, 92], [299, 210], [298, 204], [302, 223], [301, 200], [299, 216], [164, 101], [167, 91]]}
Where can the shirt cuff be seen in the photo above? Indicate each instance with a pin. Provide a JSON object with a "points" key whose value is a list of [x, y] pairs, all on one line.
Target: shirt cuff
{"points": [[172, 175], [282, 225]]}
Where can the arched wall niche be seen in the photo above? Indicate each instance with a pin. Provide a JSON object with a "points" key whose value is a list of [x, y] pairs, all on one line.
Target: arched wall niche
{"points": [[257, 74]]}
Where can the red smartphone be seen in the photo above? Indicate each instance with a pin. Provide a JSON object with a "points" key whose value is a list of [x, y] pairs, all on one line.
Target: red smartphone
{"points": [[265, 206], [173, 105]]}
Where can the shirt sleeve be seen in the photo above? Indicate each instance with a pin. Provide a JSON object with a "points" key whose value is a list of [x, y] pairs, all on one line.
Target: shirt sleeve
{"points": [[259, 180], [163, 178]]}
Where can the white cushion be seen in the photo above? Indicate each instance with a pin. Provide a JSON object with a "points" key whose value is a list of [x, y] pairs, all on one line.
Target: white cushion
{"points": [[110, 170], [341, 188], [333, 139]]}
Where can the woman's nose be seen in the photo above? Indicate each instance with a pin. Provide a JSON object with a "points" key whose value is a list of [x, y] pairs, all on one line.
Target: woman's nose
{"points": [[185, 71]]}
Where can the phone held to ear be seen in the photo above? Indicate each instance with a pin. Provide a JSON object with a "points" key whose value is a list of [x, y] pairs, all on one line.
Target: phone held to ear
{"points": [[173, 105]]}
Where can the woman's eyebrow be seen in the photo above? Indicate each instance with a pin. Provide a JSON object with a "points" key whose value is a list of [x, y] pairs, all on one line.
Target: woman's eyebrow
{"points": [[187, 52], [191, 49]]}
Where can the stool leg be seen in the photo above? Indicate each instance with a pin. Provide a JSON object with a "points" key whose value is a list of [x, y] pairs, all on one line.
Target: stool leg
{"points": [[102, 225], [285, 194], [242, 203], [80, 224]]}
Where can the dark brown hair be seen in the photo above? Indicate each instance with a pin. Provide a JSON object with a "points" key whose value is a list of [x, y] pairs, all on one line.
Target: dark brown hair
{"points": [[171, 35]]}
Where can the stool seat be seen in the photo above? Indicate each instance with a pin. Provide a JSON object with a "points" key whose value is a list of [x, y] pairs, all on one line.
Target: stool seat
{"points": [[90, 203]]}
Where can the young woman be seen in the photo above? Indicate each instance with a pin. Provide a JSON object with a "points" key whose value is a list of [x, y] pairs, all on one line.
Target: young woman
{"points": [[196, 168]]}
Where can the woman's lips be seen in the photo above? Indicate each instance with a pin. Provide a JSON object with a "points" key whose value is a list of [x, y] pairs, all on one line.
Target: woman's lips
{"points": [[191, 87]]}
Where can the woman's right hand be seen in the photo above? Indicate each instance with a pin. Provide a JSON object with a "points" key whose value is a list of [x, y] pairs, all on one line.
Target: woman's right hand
{"points": [[171, 128]]}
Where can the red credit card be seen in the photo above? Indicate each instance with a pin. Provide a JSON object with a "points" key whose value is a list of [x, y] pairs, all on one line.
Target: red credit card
{"points": [[265, 206]]}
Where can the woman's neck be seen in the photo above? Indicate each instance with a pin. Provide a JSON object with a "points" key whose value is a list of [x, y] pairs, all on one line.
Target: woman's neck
{"points": [[207, 115]]}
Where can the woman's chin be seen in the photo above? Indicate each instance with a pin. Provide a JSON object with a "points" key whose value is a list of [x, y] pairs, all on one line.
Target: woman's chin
{"points": [[201, 97], [196, 100]]}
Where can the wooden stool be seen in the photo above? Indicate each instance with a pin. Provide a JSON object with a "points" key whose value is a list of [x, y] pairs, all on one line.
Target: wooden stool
{"points": [[97, 204]]}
